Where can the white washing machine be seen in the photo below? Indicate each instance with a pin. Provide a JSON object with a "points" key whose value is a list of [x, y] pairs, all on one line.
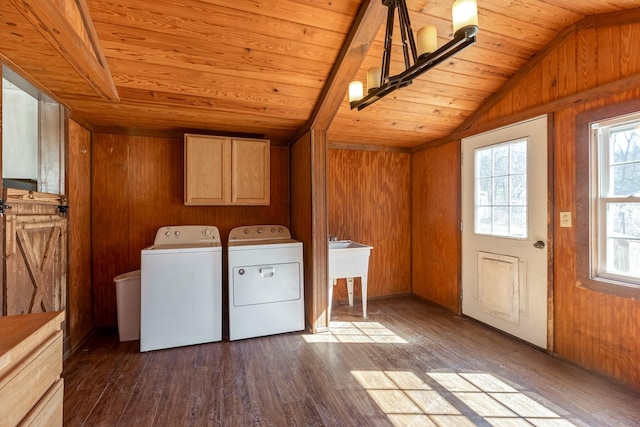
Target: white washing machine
{"points": [[181, 288], [266, 285]]}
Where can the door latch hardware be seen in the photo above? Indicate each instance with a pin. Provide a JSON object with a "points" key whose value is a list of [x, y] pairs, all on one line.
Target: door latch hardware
{"points": [[63, 207], [3, 207]]}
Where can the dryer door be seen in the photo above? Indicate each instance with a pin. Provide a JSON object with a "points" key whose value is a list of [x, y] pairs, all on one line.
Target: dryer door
{"points": [[267, 283]]}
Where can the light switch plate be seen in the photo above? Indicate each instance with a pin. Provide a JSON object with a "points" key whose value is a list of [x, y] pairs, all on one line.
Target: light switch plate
{"points": [[565, 219]]}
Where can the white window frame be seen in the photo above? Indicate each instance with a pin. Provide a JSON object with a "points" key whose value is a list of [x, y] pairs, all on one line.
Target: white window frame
{"points": [[600, 188]]}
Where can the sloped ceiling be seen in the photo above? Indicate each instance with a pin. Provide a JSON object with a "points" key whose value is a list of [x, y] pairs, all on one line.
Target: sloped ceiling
{"points": [[258, 66]]}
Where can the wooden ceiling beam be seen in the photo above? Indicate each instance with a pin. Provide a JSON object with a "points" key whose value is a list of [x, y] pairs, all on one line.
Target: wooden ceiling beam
{"points": [[370, 18], [85, 56]]}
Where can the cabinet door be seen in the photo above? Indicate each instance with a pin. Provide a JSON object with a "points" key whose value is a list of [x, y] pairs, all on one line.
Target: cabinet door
{"points": [[250, 174], [207, 174]]}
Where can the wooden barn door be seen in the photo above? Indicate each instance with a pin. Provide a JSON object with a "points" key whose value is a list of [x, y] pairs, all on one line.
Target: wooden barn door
{"points": [[35, 252]]}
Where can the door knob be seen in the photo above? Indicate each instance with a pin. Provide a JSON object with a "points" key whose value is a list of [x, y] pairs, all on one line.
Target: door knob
{"points": [[539, 244]]}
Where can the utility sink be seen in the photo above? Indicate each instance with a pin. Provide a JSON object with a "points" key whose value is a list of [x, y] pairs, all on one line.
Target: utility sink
{"points": [[348, 259]]}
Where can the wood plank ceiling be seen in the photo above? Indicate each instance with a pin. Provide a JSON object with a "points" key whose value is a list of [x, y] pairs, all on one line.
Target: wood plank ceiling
{"points": [[259, 66]]}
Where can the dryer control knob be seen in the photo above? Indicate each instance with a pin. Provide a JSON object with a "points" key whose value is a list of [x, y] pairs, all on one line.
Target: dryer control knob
{"points": [[246, 231], [177, 233], [206, 232], [280, 230], [260, 231], [273, 230], [167, 233]]}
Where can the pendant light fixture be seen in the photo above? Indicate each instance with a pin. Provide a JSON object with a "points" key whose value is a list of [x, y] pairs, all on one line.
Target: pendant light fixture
{"points": [[420, 53]]}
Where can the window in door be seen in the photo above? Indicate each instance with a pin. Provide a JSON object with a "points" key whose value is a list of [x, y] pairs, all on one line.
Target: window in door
{"points": [[501, 189], [615, 210]]}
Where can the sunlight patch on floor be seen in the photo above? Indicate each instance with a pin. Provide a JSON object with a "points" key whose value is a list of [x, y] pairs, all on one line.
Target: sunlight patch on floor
{"points": [[356, 332], [453, 399]]}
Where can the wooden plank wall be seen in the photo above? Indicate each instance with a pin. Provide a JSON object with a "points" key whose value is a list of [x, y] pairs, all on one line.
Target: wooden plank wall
{"points": [[594, 330], [309, 221], [435, 224], [79, 308], [301, 222], [369, 202], [137, 187]]}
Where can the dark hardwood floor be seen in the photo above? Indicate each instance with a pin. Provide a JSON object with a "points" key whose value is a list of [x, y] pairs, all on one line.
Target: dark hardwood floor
{"points": [[409, 363]]}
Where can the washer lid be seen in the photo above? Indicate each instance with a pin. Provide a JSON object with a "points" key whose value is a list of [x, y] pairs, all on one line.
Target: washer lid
{"points": [[173, 246], [188, 235]]}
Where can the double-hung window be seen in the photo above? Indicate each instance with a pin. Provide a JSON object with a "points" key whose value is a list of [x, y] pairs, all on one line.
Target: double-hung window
{"points": [[615, 200]]}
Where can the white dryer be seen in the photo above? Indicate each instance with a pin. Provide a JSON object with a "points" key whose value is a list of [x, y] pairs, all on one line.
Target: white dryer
{"points": [[181, 288], [266, 285]]}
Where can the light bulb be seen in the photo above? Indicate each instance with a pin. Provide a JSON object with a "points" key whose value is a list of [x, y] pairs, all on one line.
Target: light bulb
{"points": [[465, 14], [373, 78], [355, 91], [427, 40]]}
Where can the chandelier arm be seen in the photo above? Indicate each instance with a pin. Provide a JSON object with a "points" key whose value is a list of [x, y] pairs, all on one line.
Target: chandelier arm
{"points": [[407, 34], [427, 62], [403, 37], [388, 39], [373, 96]]}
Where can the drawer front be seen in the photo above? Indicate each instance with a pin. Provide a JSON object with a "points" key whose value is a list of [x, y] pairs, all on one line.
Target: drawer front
{"points": [[48, 412], [24, 384]]}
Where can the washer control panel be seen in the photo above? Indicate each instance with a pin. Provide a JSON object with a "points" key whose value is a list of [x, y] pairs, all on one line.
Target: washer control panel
{"points": [[184, 234], [259, 232]]}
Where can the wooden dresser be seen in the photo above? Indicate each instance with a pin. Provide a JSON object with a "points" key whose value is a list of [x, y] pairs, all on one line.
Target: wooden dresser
{"points": [[31, 389]]}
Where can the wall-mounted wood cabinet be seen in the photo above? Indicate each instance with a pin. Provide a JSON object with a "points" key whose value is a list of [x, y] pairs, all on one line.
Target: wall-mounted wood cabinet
{"points": [[226, 171]]}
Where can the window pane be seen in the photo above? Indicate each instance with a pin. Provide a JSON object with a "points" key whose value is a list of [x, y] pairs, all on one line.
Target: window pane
{"points": [[624, 257], [623, 239], [518, 227], [500, 221], [19, 133], [483, 163], [501, 190], [518, 190], [483, 220], [501, 160], [519, 157], [625, 145], [626, 179], [623, 220], [624, 158], [483, 192]]}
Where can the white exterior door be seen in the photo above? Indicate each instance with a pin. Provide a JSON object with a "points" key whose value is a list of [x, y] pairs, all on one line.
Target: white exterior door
{"points": [[504, 231]]}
